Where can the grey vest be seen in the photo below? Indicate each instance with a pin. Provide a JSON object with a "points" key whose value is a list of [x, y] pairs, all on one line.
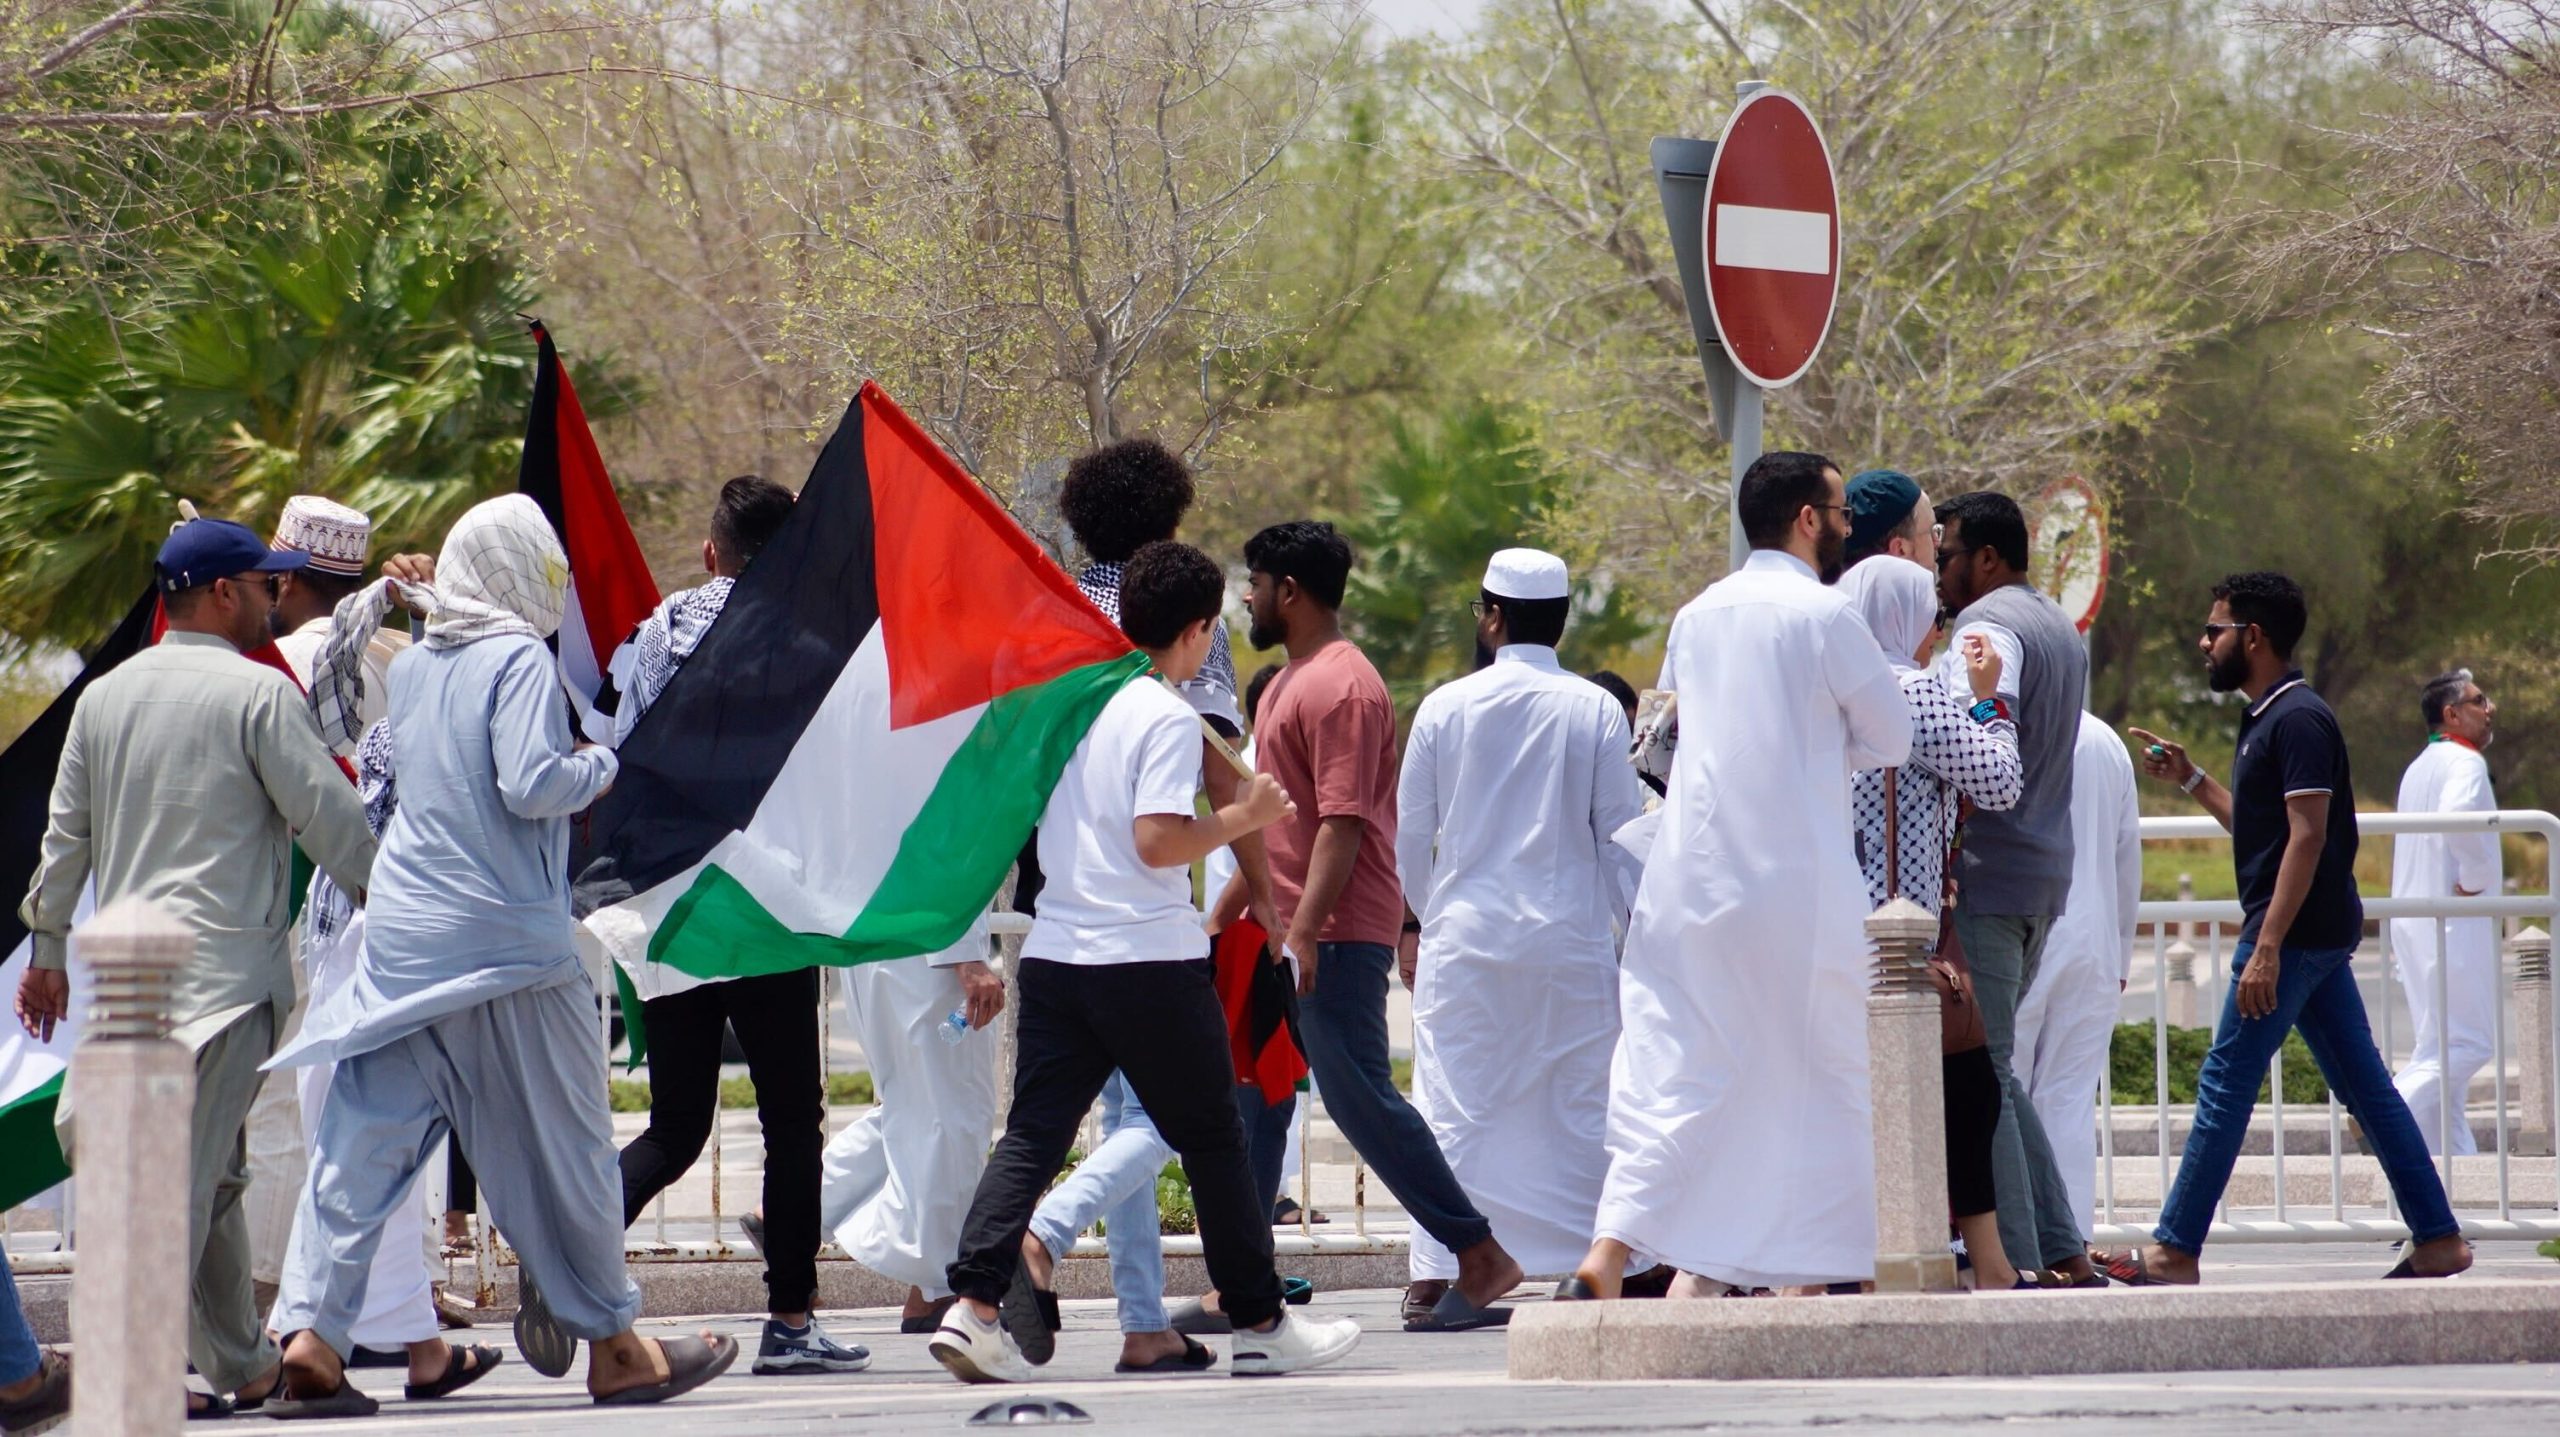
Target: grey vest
{"points": [[2019, 862]]}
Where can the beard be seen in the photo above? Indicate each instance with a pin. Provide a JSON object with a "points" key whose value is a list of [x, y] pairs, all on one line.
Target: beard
{"points": [[2225, 676], [1484, 656], [1264, 634], [1831, 555]]}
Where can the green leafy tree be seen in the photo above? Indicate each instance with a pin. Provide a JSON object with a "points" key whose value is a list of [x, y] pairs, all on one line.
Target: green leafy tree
{"points": [[377, 359], [1437, 505]]}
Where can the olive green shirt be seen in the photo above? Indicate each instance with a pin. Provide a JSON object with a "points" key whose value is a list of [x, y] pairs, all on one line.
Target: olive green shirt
{"points": [[187, 776]]}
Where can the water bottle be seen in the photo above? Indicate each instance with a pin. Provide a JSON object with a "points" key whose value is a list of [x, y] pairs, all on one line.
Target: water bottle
{"points": [[954, 1025]]}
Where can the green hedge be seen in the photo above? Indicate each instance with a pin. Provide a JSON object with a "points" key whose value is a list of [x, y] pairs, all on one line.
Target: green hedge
{"points": [[2132, 1072], [853, 1090]]}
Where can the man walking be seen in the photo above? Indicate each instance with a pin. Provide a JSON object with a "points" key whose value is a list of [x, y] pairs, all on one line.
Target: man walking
{"points": [[186, 777], [2291, 813], [1514, 779], [2450, 775], [2016, 871], [775, 1015], [1740, 1149], [1327, 731], [2067, 1023]]}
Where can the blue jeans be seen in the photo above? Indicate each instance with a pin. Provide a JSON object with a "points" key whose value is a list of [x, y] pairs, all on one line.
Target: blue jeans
{"points": [[1266, 1135], [17, 1340], [1116, 1182], [1345, 1024], [2315, 992]]}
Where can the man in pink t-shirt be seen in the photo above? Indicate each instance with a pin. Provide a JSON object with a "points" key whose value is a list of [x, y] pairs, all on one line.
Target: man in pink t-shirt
{"points": [[1327, 731]]}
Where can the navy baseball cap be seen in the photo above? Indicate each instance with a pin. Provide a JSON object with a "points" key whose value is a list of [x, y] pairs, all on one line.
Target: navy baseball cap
{"points": [[200, 551]]}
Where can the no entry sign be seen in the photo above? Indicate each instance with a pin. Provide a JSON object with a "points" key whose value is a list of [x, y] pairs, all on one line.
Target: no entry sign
{"points": [[1772, 238]]}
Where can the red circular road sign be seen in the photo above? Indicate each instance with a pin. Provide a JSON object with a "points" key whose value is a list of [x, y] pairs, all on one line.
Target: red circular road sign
{"points": [[1772, 238]]}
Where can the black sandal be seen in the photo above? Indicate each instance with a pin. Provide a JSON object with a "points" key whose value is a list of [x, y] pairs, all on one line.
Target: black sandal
{"points": [[691, 1362], [462, 1367], [345, 1402], [1030, 1313], [1192, 1358]]}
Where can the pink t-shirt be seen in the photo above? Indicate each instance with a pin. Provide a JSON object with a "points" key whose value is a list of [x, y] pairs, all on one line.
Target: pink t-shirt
{"points": [[1327, 731]]}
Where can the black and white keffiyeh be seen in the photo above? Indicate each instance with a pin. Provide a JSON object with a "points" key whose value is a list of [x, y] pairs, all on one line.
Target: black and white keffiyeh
{"points": [[1213, 691], [329, 905], [666, 639], [337, 672]]}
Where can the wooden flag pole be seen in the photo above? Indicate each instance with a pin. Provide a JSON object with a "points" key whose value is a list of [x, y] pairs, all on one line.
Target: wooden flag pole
{"points": [[1216, 739]]}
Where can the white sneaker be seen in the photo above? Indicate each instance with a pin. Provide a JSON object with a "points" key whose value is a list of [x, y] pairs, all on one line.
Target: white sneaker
{"points": [[977, 1350], [1297, 1344]]}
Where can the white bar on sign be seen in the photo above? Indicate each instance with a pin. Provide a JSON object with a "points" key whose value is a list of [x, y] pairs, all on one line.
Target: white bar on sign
{"points": [[1749, 237]]}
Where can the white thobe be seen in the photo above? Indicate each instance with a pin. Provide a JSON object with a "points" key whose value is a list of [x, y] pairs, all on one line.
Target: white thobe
{"points": [[2067, 1021], [1741, 1146], [1514, 778], [896, 1184], [2447, 777]]}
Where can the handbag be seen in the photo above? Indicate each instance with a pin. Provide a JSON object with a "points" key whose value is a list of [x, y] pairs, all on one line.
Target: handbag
{"points": [[1960, 1028]]}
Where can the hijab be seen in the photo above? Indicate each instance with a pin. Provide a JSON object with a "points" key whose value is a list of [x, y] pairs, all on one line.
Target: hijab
{"points": [[1899, 601], [502, 572]]}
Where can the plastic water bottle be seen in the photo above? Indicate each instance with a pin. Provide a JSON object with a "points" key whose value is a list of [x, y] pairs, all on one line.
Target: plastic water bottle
{"points": [[954, 1025]]}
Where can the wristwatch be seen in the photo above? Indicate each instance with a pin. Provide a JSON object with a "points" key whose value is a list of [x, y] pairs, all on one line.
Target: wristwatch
{"points": [[2195, 777]]}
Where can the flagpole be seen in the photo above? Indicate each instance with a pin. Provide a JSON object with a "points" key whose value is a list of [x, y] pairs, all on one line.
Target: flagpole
{"points": [[1216, 739]]}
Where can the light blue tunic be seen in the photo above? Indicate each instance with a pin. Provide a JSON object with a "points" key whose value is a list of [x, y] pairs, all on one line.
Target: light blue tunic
{"points": [[470, 896]]}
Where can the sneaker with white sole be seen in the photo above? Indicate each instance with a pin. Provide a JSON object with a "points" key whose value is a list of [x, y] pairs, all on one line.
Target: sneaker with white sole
{"points": [[805, 1349], [1297, 1344], [977, 1349]]}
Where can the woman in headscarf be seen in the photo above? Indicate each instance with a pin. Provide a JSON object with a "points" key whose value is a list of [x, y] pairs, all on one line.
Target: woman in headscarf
{"points": [[471, 1011], [1961, 750]]}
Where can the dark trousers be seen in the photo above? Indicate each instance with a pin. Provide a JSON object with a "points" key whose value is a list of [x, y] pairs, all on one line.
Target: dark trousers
{"points": [[1266, 1136], [1162, 1027], [1345, 1023], [1973, 1116], [776, 1017]]}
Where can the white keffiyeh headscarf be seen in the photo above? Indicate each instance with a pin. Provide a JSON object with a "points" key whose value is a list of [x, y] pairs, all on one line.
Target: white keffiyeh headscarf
{"points": [[502, 572]]}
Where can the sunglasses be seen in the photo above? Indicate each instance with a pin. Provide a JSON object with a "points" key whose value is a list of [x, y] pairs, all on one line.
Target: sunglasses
{"points": [[2212, 629]]}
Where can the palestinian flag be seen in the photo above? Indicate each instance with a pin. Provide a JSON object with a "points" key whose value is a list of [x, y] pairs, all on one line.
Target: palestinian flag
{"points": [[846, 766], [610, 590]]}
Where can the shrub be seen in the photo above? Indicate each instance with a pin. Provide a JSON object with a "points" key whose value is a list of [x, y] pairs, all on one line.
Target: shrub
{"points": [[2131, 1070]]}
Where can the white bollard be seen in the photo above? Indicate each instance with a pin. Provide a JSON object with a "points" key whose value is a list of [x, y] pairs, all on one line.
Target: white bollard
{"points": [[2531, 948], [1903, 1039], [136, 1098]]}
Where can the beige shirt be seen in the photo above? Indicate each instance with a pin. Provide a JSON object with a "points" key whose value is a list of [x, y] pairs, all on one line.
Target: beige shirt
{"points": [[187, 773]]}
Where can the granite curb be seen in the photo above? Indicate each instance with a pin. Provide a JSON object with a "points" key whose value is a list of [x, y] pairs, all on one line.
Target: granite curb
{"points": [[2200, 1329]]}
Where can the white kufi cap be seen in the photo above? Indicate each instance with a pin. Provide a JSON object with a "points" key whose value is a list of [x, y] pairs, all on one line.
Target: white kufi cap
{"points": [[1526, 574], [337, 538]]}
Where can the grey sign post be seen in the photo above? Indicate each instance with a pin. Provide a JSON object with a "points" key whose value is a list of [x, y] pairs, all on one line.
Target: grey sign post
{"points": [[1680, 170]]}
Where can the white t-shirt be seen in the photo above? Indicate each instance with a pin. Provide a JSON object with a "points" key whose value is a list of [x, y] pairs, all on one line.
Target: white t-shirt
{"points": [[2004, 642], [1099, 903]]}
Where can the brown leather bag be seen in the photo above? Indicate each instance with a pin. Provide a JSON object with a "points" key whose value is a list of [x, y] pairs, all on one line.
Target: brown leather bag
{"points": [[1960, 1027]]}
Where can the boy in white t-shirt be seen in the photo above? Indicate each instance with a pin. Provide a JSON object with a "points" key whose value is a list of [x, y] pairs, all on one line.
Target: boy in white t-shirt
{"points": [[1115, 974]]}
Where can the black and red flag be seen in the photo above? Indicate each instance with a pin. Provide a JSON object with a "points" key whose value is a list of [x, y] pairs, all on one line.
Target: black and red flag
{"points": [[610, 590]]}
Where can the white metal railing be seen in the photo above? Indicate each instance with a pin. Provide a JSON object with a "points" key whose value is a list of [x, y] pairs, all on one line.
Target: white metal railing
{"points": [[2531, 1082]]}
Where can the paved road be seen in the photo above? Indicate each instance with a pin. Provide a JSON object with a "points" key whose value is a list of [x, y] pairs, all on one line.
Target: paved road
{"points": [[1400, 1384]]}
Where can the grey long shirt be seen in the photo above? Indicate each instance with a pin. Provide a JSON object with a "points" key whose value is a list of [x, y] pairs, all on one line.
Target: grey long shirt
{"points": [[187, 775]]}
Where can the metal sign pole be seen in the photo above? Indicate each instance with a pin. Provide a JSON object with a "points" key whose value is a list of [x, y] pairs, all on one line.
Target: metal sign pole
{"points": [[1746, 449]]}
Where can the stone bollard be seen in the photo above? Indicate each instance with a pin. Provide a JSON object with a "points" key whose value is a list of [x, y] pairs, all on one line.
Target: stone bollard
{"points": [[1910, 1104], [2531, 948], [136, 1097]]}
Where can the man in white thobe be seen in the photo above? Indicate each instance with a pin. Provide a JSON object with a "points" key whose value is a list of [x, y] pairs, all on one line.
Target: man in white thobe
{"points": [[2067, 1022], [1740, 1144], [1514, 778], [2450, 775]]}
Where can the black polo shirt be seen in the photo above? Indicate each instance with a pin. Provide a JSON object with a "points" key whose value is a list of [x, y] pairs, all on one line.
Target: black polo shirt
{"points": [[2290, 744]]}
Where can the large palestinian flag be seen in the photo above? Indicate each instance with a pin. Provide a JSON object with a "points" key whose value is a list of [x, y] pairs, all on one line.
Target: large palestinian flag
{"points": [[844, 768], [610, 590]]}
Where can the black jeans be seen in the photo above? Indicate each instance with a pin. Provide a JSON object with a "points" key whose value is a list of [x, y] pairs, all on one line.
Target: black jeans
{"points": [[1162, 1026], [776, 1017]]}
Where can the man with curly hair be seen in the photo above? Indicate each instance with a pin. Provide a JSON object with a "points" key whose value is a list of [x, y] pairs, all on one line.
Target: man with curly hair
{"points": [[1117, 499]]}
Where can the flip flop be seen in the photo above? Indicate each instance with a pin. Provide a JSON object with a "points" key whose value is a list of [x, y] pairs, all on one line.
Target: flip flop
{"points": [[345, 1402], [465, 1366], [1192, 1358], [546, 1346], [216, 1407], [931, 1322], [1654, 1281], [1031, 1315], [1575, 1289], [1193, 1320], [691, 1362], [1455, 1314], [2126, 1267]]}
